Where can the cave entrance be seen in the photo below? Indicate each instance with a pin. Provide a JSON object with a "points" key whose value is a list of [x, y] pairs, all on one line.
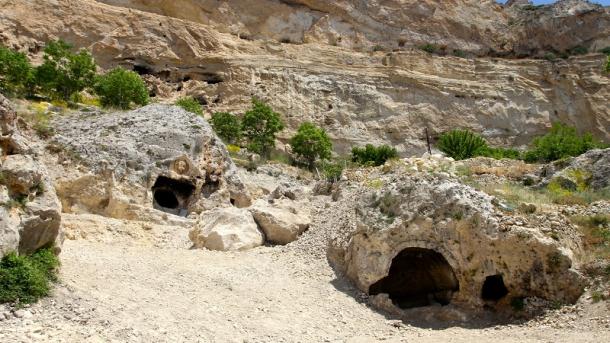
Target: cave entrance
{"points": [[418, 277], [172, 196], [494, 288]]}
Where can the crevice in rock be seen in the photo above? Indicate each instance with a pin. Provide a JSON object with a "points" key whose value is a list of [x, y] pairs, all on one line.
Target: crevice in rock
{"points": [[418, 277]]}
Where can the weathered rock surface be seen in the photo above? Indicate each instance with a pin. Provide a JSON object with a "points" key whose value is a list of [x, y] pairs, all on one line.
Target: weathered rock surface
{"points": [[470, 252], [158, 156], [226, 229], [591, 170], [359, 97], [283, 220], [31, 214], [467, 25]]}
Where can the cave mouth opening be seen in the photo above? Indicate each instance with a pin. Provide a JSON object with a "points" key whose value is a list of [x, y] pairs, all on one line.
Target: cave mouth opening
{"points": [[494, 288], [172, 196], [418, 277]]}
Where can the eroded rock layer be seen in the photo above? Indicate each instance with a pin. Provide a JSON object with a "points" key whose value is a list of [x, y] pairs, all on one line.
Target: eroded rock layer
{"points": [[359, 96]]}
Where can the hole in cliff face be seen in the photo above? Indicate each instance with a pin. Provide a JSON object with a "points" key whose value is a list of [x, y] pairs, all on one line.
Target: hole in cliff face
{"points": [[172, 196], [418, 277], [142, 69], [494, 288]]}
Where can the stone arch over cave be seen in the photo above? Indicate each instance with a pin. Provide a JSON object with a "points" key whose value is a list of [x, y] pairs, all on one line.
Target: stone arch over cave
{"points": [[418, 277], [172, 196]]}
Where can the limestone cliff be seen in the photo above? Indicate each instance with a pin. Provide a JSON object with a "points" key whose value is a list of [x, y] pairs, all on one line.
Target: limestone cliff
{"points": [[224, 55]]}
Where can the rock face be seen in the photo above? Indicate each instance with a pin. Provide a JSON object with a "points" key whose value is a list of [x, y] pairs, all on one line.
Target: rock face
{"points": [[226, 229], [30, 217], [589, 170], [358, 95], [158, 156], [282, 221], [467, 25], [426, 240]]}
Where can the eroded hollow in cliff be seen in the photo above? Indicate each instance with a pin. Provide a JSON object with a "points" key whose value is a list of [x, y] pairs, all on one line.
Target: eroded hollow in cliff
{"points": [[494, 288], [418, 277], [172, 196]]}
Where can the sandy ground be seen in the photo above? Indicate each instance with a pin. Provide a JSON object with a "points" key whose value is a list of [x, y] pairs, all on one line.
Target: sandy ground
{"points": [[117, 291]]}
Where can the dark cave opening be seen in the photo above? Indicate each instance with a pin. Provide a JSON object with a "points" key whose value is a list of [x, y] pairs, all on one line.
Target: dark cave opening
{"points": [[142, 70], [494, 288], [172, 196], [418, 277]]}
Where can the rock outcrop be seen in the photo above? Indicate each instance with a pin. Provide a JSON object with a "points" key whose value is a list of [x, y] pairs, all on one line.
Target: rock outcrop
{"points": [[590, 170], [424, 239], [359, 96], [158, 157], [30, 216], [226, 229]]}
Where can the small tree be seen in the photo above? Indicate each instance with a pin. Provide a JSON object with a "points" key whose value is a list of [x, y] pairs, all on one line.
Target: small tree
{"points": [[371, 155], [15, 72], [311, 143], [227, 126], [563, 141], [64, 74], [260, 125], [120, 88], [190, 104]]}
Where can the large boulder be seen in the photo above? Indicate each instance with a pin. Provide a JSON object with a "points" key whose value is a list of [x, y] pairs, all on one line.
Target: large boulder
{"points": [[21, 173], [226, 229], [589, 170], [157, 156], [282, 220]]}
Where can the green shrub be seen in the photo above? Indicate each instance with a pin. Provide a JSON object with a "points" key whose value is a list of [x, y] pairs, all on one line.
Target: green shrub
{"points": [[549, 56], [561, 142], [15, 72], [64, 74], [310, 143], [459, 53], [500, 153], [260, 125], [333, 171], [429, 48], [190, 104], [120, 88], [462, 144], [227, 126], [373, 156], [605, 50], [579, 50], [608, 65], [26, 278]]}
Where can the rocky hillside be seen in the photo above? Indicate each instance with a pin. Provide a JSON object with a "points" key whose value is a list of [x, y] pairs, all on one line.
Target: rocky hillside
{"points": [[372, 85]]}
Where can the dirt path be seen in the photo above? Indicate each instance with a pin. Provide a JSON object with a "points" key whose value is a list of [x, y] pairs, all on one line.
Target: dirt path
{"points": [[113, 292]]}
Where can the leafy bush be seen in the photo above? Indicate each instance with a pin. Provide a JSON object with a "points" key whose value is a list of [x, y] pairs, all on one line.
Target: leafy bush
{"points": [[15, 72], [608, 65], [190, 104], [311, 142], [462, 144], [64, 74], [333, 171], [579, 50], [26, 278], [500, 153], [227, 126], [260, 125], [549, 56], [120, 88], [459, 53], [605, 50], [371, 155], [429, 48], [561, 142]]}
